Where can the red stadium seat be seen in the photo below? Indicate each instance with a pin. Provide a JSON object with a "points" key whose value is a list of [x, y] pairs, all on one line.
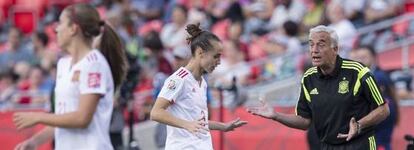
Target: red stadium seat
{"points": [[38, 5], [4, 9], [24, 18], [409, 6]]}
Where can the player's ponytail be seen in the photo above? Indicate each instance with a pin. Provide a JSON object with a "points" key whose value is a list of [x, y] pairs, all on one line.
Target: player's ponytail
{"points": [[111, 48], [87, 17]]}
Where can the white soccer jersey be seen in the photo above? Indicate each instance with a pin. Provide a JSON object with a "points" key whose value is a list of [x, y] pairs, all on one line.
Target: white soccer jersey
{"points": [[91, 75], [188, 102]]}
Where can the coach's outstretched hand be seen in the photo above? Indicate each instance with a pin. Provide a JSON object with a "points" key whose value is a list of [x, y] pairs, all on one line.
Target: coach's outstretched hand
{"points": [[230, 126], [353, 130], [264, 110]]}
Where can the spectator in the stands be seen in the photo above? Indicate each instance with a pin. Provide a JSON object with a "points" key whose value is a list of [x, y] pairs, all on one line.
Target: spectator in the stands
{"points": [[377, 10], [315, 15], [15, 50], [232, 65], [286, 10], [173, 33], [147, 9], [282, 41], [43, 56], [383, 133], [160, 59], [353, 11], [345, 29], [7, 87], [37, 90]]}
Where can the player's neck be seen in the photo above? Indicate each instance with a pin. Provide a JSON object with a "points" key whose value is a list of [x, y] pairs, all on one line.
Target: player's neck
{"points": [[195, 70], [78, 50]]}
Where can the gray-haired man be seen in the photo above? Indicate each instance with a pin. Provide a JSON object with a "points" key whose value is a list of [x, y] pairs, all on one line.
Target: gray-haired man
{"points": [[338, 96]]}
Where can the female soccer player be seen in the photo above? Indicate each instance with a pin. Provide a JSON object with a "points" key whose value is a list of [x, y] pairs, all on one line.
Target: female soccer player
{"points": [[85, 85], [182, 102]]}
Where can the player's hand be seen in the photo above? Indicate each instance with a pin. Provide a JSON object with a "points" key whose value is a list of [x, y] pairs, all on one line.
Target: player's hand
{"points": [[25, 145], [353, 130], [230, 126], [197, 127], [264, 110], [24, 120]]}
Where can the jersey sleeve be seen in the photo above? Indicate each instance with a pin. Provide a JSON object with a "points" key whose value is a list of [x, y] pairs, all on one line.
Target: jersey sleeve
{"points": [[302, 107], [370, 91], [92, 79], [172, 88]]}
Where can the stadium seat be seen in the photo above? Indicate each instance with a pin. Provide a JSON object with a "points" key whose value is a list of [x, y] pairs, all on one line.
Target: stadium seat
{"points": [[155, 25], [4, 9], [38, 5], [409, 6], [24, 18]]}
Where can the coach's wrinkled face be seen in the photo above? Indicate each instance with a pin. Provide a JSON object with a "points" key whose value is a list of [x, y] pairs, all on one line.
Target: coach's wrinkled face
{"points": [[322, 50]]}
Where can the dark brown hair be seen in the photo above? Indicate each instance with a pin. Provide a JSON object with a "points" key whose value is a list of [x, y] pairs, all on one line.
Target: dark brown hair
{"points": [[91, 26], [200, 38]]}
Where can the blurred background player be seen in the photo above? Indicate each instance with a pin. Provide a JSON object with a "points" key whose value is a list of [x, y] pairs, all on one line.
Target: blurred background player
{"points": [[86, 81], [384, 130]]}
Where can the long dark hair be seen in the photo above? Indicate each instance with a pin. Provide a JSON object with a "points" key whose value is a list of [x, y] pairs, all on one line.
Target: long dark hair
{"points": [[91, 26]]}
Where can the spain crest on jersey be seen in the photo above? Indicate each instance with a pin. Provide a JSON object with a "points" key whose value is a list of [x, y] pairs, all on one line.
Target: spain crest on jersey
{"points": [[343, 86]]}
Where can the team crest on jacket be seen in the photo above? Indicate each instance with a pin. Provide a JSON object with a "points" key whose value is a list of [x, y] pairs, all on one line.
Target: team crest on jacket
{"points": [[343, 86], [171, 85]]}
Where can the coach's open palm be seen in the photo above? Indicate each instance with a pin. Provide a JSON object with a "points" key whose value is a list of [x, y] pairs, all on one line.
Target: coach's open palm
{"points": [[264, 110], [230, 126], [353, 130]]}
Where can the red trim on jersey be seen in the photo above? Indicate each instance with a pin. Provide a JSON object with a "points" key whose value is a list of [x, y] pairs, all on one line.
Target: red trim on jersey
{"points": [[181, 72], [90, 58], [184, 75], [94, 56]]}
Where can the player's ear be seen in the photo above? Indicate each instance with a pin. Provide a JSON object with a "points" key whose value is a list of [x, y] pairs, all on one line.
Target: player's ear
{"points": [[199, 52]]}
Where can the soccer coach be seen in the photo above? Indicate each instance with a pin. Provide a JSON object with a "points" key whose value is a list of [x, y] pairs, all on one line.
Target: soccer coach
{"points": [[339, 96]]}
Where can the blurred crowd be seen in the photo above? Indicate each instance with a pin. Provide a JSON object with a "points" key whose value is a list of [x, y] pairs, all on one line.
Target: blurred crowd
{"points": [[155, 40]]}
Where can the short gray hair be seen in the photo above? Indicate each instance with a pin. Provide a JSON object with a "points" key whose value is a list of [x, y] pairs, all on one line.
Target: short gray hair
{"points": [[332, 33]]}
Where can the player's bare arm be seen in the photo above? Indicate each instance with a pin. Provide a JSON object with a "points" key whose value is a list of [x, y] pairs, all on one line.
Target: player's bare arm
{"points": [[290, 120], [77, 119], [160, 114]]}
